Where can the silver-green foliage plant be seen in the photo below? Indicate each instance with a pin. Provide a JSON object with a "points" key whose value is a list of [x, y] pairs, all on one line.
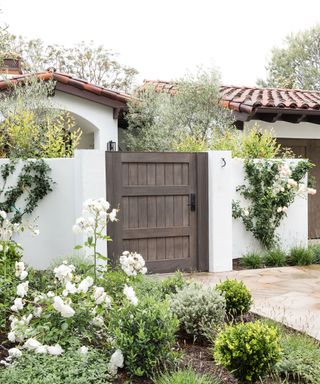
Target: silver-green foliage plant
{"points": [[158, 121], [300, 359], [271, 187], [248, 350], [72, 367], [198, 309], [187, 376]]}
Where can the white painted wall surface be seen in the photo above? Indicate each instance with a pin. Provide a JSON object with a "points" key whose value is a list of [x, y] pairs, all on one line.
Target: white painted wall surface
{"points": [[93, 117], [76, 180], [284, 129], [228, 238], [220, 212], [293, 230]]}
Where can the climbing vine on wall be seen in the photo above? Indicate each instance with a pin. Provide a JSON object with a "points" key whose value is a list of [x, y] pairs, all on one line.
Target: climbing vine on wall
{"points": [[33, 184], [271, 186]]}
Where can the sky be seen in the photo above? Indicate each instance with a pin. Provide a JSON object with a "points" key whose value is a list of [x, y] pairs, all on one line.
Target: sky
{"points": [[163, 39]]}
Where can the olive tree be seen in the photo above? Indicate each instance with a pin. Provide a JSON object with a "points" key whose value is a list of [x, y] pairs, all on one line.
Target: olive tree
{"points": [[159, 121]]}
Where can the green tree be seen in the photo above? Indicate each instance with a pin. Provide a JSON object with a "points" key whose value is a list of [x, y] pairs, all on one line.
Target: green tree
{"points": [[297, 63], [96, 64], [32, 125], [159, 121]]}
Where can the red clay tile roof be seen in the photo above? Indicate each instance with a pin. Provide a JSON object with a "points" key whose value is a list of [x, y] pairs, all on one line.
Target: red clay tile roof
{"points": [[247, 99], [63, 79]]}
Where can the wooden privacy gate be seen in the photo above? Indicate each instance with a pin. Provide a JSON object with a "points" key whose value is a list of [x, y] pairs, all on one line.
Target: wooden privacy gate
{"points": [[163, 201]]}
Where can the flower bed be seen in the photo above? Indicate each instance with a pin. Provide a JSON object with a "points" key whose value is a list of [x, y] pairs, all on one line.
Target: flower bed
{"points": [[84, 322]]}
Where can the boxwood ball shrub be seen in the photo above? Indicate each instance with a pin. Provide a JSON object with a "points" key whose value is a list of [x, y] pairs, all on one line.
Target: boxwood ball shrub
{"points": [[145, 334], [301, 256], [248, 350], [198, 308], [238, 297]]}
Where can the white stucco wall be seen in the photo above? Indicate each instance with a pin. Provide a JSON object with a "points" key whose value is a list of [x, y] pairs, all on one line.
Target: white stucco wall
{"points": [[228, 238], [293, 230], [77, 179], [93, 117], [284, 129]]}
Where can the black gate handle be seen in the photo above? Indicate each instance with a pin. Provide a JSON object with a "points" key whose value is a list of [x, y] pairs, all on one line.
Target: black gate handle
{"points": [[192, 203]]}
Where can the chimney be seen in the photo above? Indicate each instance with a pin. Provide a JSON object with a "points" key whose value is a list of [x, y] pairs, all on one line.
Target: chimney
{"points": [[11, 67]]}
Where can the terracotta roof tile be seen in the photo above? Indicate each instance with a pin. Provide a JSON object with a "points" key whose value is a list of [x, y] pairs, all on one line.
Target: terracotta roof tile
{"points": [[247, 99], [71, 81]]}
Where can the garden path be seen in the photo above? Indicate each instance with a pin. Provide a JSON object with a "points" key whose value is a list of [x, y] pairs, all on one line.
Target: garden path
{"points": [[290, 295]]}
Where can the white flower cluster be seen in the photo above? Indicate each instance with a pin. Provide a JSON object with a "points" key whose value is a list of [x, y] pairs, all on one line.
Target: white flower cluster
{"points": [[20, 328], [130, 295], [94, 214], [132, 263], [20, 270], [8, 229], [116, 361]]}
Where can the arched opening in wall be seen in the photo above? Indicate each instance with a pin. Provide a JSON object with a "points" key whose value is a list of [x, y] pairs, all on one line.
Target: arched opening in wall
{"points": [[88, 130]]}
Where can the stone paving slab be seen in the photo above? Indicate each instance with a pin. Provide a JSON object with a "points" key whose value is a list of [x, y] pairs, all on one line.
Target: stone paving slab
{"points": [[290, 295]]}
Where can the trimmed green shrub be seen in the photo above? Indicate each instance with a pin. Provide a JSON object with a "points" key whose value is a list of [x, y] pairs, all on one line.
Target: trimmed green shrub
{"points": [[248, 350], [275, 258], [238, 297], [315, 248], [187, 376], [145, 334], [198, 309], [70, 367], [171, 285], [300, 359], [252, 261], [301, 256]]}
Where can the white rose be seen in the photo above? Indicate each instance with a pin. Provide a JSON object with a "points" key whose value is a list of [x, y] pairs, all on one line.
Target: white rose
{"points": [[12, 337], [55, 350], [22, 289], [14, 352], [130, 294], [42, 349], [31, 344], [83, 350]]}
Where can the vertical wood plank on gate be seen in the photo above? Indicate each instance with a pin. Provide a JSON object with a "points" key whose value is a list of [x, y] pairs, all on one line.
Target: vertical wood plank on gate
{"points": [[133, 174], [151, 174], [177, 174]]}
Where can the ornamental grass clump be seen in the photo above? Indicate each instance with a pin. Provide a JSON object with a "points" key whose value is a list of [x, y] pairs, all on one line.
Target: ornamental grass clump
{"points": [[238, 297], [198, 309], [252, 260], [275, 258], [248, 350], [301, 256]]}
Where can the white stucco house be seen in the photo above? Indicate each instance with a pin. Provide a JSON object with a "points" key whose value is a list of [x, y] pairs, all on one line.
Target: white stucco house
{"points": [[95, 109]]}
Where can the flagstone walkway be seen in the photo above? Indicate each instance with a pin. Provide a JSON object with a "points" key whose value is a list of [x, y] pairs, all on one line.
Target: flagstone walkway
{"points": [[290, 295]]}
